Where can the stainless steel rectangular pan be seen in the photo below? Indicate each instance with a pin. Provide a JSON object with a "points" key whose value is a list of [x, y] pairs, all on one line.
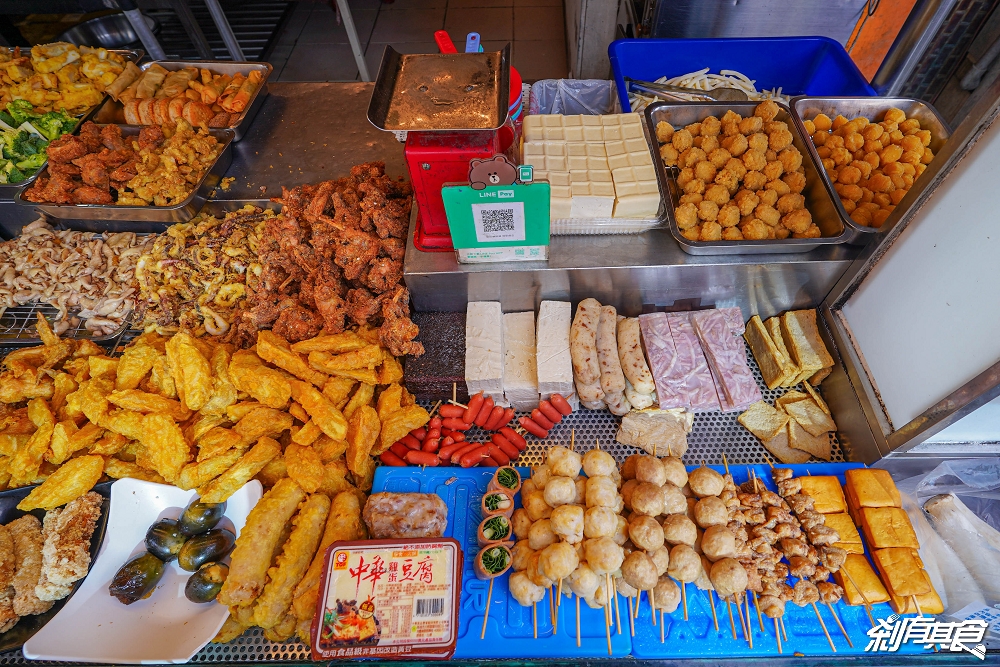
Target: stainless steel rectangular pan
{"points": [[818, 199]]}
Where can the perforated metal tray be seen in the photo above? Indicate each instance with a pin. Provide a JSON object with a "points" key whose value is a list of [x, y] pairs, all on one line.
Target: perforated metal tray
{"points": [[17, 326]]}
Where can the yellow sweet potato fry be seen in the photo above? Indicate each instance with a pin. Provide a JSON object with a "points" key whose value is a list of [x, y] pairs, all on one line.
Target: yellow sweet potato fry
{"points": [[136, 361], [223, 390], [308, 434], [266, 385], [162, 379], [79, 439], [332, 343], [389, 400], [335, 478], [195, 475], [201, 424], [362, 434], [45, 331], [63, 386], [262, 422], [9, 443], [140, 401], [338, 389], [365, 474], [248, 465], [102, 367], [230, 630], [240, 410], [24, 465], [218, 441], [93, 399], [191, 371], [59, 445], [408, 399], [272, 472], [88, 348], [15, 390], [39, 413], [401, 422], [275, 349], [368, 357], [297, 411], [329, 449], [125, 422], [131, 451], [73, 479], [304, 466], [390, 371], [118, 469], [166, 448], [329, 419], [110, 444], [363, 396], [369, 334]]}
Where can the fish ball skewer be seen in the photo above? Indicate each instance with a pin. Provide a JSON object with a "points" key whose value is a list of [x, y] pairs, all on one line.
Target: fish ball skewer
{"points": [[597, 463], [567, 522], [520, 523], [541, 535], [650, 469], [535, 505], [603, 555], [685, 563], [540, 476], [661, 559], [583, 581], [645, 532], [675, 471], [639, 571], [674, 500], [524, 591], [705, 482], [558, 561], [564, 462], [600, 522], [621, 532], [678, 529], [710, 511], [728, 577], [718, 542], [559, 491], [647, 499], [602, 492], [520, 555], [667, 595]]}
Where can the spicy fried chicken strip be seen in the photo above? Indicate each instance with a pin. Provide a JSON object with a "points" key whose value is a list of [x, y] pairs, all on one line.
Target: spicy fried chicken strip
{"points": [[26, 533], [66, 548]]}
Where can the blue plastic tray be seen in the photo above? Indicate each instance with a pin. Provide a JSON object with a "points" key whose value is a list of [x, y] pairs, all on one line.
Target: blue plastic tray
{"points": [[697, 637], [797, 65], [509, 629]]}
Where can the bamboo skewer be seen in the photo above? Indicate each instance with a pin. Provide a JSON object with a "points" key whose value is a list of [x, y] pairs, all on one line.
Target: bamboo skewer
{"points": [[435, 408], [917, 605], [454, 392], [555, 626], [662, 640], [631, 621], [684, 598], [572, 440], [552, 609], [725, 462], [746, 602], [729, 607], [756, 605], [534, 617], [840, 625], [711, 601], [864, 597], [607, 619], [823, 625], [578, 621], [652, 605], [777, 635], [784, 635], [618, 614], [486, 616], [743, 624], [638, 599]]}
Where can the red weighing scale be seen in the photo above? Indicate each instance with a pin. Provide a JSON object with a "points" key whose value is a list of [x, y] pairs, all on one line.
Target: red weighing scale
{"points": [[454, 107]]}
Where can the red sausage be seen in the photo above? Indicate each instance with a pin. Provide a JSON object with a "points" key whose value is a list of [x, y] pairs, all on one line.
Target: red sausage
{"points": [[422, 459], [458, 453], [484, 412], [475, 403], [410, 442], [390, 459], [399, 449], [533, 428], [447, 450], [488, 462], [457, 435], [473, 456], [456, 424], [541, 420], [419, 433], [449, 410], [561, 404], [550, 412], [497, 454], [514, 438], [503, 443], [433, 433], [431, 444], [508, 414], [493, 423], [435, 422]]}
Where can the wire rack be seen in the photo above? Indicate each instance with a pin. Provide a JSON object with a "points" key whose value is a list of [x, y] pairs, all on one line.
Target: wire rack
{"points": [[17, 326], [714, 434]]}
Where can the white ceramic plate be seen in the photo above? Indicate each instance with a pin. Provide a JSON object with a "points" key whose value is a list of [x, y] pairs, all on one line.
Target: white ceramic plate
{"points": [[163, 628]]}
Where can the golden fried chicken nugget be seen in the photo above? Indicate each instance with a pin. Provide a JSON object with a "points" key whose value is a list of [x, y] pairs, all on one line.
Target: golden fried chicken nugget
{"points": [[766, 110], [329, 419], [686, 216], [241, 472], [136, 361], [719, 157], [70, 481], [682, 140], [732, 234], [729, 216], [718, 194], [664, 131], [257, 542], [798, 221], [249, 374], [140, 401], [790, 202], [304, 466], [293, 563], [118, 469], [190, 370], [195, 475], [736, 144], [708, 211], [754, 230], [710, 231], [795, 181], [276, 350]]}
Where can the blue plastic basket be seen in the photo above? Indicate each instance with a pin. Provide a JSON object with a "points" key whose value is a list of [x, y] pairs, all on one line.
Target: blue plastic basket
{"points": [[797, 65]]}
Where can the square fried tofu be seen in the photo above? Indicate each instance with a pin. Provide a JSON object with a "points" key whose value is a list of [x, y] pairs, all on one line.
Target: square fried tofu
{"points": [[928, 603], [825, 491], [901, 572], [873, 487], [853, 509], [763, 420], [850, 538], [810, 416], [862, 574], [888, 527], [817, 445], [779, 448]]}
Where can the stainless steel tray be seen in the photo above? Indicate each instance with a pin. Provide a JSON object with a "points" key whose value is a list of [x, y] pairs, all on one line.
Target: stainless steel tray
{"points": [[8, 191], [17, 326], [151, 218], [818, 199], [113, 112], [872, 108]]}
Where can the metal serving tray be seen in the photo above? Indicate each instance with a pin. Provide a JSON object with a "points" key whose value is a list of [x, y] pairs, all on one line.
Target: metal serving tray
{"points": [[872, 108], [818, 199], [142, 219], [114, 112], [7, 190], [17, 326]]}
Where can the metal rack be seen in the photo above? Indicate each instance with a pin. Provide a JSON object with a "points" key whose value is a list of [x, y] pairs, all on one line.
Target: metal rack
{"points": [[17, 326]]}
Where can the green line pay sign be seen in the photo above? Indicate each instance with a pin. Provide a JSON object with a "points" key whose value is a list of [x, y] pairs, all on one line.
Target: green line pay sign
{"points": [[498, 223]]}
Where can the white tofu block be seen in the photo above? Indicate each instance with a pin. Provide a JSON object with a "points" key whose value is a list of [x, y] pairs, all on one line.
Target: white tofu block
{"points": [[612, 132], [556, 162], [599, 175], [636, 145], [618, 161], [532, 128], [597, 162], [632, 131], [642, 159], [539, 175], [554, 133], [555, 366], [603, 189], [645, 173], [581, 187], [611, 119], [559, 178], [560, 207], [637, 206], [552, 120], [572, 121], [533, 148], [560, 191], [615, 148], [626, 188], [573, 133], [593, 133], [554, 148], [630, 119], [591, 121], [484, 351], [624, 175], [576, 148], [649, 188], [520, 372], [594, 206], [577, 162], [596, 149]]}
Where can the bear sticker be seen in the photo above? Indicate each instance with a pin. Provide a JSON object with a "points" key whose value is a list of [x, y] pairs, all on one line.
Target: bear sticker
{"points": [[495, 171]]}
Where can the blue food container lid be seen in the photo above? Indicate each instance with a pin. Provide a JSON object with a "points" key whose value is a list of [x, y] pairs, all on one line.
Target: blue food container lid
{"points": [[797, 65]]}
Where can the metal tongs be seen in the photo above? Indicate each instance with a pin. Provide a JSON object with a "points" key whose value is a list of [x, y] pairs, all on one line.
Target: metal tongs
{"points": [[669, 92]]}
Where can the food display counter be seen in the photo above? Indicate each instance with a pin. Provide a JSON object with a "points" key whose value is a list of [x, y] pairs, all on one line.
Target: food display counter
{"points": [[709, 415]]}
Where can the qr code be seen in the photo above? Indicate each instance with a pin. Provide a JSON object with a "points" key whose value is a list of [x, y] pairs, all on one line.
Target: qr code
{"points": [[498, 220]]}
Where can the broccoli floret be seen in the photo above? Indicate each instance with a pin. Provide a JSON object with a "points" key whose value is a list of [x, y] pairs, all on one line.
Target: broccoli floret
{"points": [[32, 163], [9, 173], [7, 118], [18, 145], [21, 110], [54, 124]]}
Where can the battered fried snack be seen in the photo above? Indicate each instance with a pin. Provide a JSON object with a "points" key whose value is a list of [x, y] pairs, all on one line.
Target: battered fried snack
{"points": [[75, 478], [248, 465], [26, 533], [66, 549], [260, 536], [291, 565]]}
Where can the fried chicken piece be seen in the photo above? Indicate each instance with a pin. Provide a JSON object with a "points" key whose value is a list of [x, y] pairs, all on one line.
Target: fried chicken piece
{"points": [[124, 173], [362, 306], [355, 251], [823, 536], [384, 274], [804, 593], [800, 567], [392, 248], [66, 551], [330, 304], [59, 189], [26, 533], [7, 559], [317, 205], [111, 137], [793, 547], [833, 558], [398, 331], [112, 159], [90, 134], [66, 149], [89, 194], [297, 323], [150, 136], [92, 171], [64, 168], [829, 593]]}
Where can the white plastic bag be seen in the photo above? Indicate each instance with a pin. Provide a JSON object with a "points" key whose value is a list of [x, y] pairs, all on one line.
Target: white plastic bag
{"points": [[570, 97]]}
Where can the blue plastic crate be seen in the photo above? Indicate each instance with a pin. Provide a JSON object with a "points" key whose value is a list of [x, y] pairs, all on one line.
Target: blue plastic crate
{"points": [[797, 65]]}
